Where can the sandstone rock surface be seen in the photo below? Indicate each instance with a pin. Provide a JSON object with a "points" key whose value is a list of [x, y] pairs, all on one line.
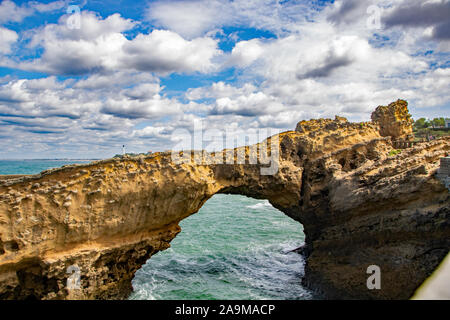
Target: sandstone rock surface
{"points": [[358, 205], [394, 119]]}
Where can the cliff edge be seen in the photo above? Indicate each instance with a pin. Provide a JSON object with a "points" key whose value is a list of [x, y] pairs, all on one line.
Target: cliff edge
{"points": [[360, 205]]}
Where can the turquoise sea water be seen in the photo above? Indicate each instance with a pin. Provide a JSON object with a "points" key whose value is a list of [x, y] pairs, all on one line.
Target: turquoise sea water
{"points": [[234, 248], [33, 166]]}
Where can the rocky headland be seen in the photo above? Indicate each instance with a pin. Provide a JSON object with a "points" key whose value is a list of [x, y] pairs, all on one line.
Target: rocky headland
{"points": [[360, 203]]}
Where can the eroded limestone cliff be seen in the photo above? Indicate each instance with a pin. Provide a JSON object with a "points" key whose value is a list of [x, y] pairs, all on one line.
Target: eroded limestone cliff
{"points": [[359, 206]]}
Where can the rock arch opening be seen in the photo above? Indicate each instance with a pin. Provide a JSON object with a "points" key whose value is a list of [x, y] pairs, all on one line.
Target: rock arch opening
{"points": [[235, 247]]}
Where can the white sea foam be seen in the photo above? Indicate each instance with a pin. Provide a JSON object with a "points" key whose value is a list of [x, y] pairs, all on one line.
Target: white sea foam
{"points": [[226, 252], [261, 205]]}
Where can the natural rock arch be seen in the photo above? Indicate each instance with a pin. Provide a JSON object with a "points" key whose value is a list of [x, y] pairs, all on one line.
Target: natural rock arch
{"points": [[358, 205]]}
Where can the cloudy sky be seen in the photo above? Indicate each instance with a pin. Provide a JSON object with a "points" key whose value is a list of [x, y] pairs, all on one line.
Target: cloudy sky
{"points": [[80, 85]]}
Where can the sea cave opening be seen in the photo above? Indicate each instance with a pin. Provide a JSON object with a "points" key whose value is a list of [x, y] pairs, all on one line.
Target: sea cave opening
{"points": [[235, 247]]}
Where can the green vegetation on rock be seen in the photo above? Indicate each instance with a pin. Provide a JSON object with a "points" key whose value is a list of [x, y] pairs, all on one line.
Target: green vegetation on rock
{"points": [[394, 152]]}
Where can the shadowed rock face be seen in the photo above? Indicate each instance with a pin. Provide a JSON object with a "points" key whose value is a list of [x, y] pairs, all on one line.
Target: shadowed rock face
{"points": [[358, 206]]}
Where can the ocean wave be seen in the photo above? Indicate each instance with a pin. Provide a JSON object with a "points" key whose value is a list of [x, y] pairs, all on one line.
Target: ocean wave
{"points": [[261, 205], [226, 252]]}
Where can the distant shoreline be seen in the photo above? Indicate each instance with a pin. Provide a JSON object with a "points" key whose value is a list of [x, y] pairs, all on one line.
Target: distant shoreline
{"points": [[50, 159]]}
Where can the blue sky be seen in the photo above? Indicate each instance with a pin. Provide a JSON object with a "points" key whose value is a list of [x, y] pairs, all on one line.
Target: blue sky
{"points": [[135, 72]]}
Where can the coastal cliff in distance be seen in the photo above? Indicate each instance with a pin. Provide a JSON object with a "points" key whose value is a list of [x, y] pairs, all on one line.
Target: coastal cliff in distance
{"points": [[360, 203]]}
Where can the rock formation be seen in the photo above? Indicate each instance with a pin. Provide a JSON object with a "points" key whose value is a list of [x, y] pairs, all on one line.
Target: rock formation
{"points": [[359, 206], [394, 120]]}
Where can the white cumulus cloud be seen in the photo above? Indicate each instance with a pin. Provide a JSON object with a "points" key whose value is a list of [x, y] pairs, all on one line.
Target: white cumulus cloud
{"points": [[100, 46]]}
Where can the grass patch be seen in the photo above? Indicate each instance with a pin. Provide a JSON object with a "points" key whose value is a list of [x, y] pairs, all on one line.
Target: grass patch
{"points": [[394, 152]]}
